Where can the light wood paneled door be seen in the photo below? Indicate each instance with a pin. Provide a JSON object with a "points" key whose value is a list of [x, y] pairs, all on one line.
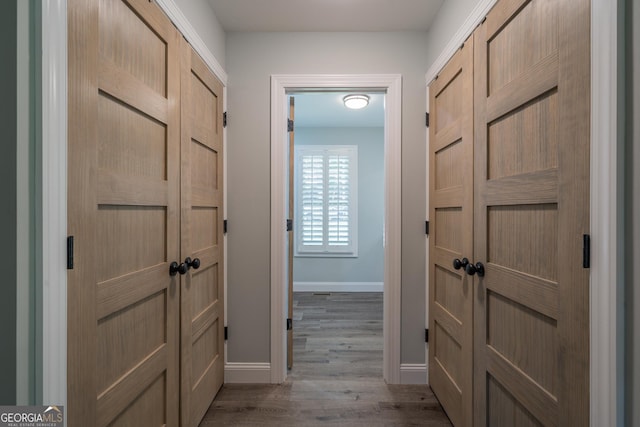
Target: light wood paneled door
{"points": [[451, 216], [531, 212], [202, 292], [123, 211]]}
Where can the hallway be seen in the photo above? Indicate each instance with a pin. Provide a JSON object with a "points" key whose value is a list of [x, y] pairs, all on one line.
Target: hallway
{"points": [[336, 378]]}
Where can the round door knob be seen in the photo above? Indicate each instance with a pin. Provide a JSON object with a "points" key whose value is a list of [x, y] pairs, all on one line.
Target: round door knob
{"points": [[473, 269], [458, 264], [183, 268], [175, 268], [192, 263]]}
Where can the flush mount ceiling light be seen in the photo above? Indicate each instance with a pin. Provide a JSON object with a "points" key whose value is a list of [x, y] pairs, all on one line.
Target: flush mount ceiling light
{"points": [[356, 102]]}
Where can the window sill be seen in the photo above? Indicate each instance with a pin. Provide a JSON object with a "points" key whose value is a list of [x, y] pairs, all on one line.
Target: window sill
{"points": [[325, 255]]}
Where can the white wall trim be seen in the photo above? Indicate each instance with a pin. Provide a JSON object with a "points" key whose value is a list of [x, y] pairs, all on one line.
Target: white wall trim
{"points": [[392, 84], [54, 201], [247, 373], [413, 373], [184, 26], [426, 246], [225, 240], [606, 338], [468, 26], [338, 286]]}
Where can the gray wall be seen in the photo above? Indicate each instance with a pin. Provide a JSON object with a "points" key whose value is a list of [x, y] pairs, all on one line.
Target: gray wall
{"points": [[632, 208], [25, 205], [201, 16], [8, 118], [450, 18], [251, 59], [369, 265]]}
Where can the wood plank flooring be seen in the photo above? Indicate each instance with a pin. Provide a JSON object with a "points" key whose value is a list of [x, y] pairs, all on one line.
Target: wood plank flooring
{"points": [[336, 377], [337, 336]]}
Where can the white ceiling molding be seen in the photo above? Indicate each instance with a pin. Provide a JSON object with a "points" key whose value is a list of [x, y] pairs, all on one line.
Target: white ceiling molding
{"points": [[473, 20], [184, 26]]}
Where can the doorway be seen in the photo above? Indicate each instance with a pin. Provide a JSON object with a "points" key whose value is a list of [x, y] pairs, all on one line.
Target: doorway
{"points": [[336, 252], [391, 86]]}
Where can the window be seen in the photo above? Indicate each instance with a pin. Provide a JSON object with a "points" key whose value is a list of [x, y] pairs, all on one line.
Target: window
{"points": [[326, 200]]}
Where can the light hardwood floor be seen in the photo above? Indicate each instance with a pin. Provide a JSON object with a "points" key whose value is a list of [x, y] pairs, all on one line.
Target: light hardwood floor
{"points": [[336, 377]]}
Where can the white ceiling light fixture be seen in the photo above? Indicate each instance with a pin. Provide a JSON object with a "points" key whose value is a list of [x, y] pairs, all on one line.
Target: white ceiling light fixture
{"points": [[356, 102]]}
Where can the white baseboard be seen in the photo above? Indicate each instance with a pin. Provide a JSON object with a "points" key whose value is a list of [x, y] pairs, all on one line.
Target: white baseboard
{"points": [[338, 286], [413, 373], [257, 373]]}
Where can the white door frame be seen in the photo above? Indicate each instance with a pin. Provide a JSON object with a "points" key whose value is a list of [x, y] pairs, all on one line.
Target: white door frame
{"points": [[54, 185], [606, 284], [54, 203], [391, 84]]}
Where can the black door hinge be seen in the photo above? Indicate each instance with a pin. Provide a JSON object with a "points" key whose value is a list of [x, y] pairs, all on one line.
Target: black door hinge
{"points": [[426, 335], [289, 324], [586, 251], [224, 119], [226, 333], [289, 225], [70, 253], [289, 125], [225, 226], [426, 227], [427, 119]]}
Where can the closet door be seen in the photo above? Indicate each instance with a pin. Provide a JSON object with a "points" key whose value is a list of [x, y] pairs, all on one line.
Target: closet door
{"points": [[202, 293], [123, 211], [531, 211], [451, 217]]}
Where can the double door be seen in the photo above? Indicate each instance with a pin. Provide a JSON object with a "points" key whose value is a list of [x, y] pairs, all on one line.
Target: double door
{"points": [[509, 203], [145, 291]]}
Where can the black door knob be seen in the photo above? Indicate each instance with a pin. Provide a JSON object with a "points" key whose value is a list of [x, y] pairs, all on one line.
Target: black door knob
{"points": [[175, 268], [192, 263], [458, 264], [473, 269]]}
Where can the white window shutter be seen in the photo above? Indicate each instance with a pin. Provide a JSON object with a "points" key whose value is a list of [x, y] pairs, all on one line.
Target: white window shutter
{"points": [[326, 205]]}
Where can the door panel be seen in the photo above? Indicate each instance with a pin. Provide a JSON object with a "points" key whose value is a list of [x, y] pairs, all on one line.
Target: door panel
{"points": [[531, 210], [123, 214], [202, 293], [451, 214]]}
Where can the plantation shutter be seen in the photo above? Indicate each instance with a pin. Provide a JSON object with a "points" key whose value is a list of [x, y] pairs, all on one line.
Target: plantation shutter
{"points": [[338, 200], [312, 198], [326, 194]]}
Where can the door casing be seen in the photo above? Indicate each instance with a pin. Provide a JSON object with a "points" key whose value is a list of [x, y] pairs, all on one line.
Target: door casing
{"points": [[391, 85]]}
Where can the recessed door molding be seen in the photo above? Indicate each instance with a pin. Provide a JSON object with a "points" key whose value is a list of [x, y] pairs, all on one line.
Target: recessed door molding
{"points": [[391, 84]]}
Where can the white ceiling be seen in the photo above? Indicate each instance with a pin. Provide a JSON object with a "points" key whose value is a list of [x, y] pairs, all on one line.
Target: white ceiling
{"points": [[325, 15], [326, 109]]}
